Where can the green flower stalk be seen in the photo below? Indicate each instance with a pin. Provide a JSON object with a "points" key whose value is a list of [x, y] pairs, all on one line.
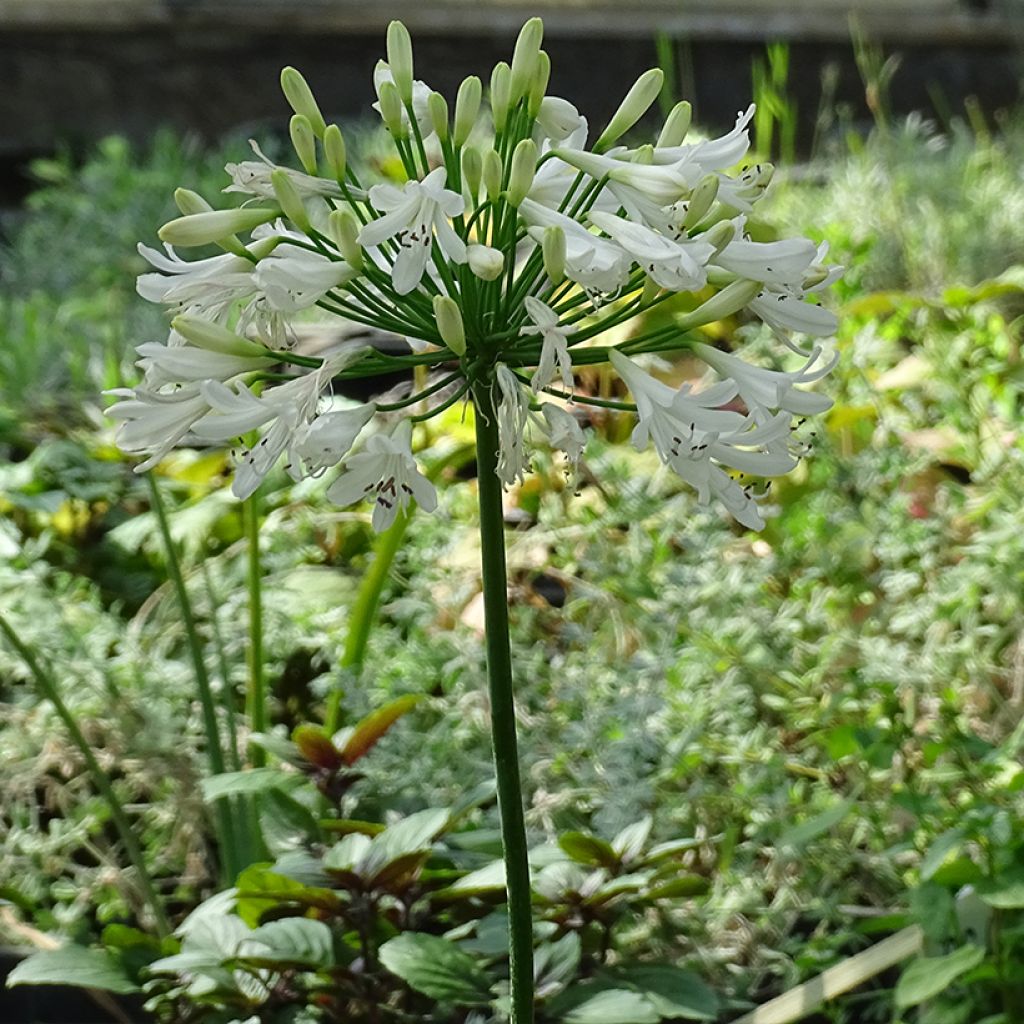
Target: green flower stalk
{"points": [[503, 255]]}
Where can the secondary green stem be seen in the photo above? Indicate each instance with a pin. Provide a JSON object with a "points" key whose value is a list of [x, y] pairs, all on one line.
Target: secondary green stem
{"points": [[48, 686], [226, 820], [503, 715], [256, 696]]}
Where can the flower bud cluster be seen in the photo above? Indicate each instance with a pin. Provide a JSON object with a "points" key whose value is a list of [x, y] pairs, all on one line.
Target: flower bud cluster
{"points": [[502, 250]]}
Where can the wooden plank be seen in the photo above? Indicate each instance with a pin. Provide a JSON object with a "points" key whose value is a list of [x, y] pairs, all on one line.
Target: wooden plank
{"points": [[802, 1001], [902, 20]]}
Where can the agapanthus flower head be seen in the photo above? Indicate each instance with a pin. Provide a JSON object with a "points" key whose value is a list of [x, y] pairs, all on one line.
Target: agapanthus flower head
{"points": [[507, 245]]}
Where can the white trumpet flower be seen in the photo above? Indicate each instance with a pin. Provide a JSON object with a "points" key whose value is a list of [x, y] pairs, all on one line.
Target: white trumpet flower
{"points": [[555, 346], [385, 472], [675, 265], [769, 391], [153, 422], [413, 215], [513, 414]]}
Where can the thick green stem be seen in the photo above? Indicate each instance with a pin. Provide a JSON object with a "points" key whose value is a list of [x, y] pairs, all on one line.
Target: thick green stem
{"points": [[503, 716], [256, 694], [227, 816], [48, 686]]}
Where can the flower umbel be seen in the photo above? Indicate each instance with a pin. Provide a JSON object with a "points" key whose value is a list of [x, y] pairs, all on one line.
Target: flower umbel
{"points": [[508, 246]]}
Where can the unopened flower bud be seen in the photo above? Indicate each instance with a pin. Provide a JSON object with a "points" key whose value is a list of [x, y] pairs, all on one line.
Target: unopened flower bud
{"points": [[636, 103], [731, 299], [344, 230], [472, 171], [261, 248], [291, 204], [449, 323], [521, 171], [391, 109], [524, 58], [400, 59], [189, 202], [719, 235], [644, 154], [467, 106], [552, 248], [814, 278], [334, 151], [677, 124], [300, 98], [501, 88], [539, 87], [485, 262], [492, 174], [214, 338], [214, 225], [701, 200], [304, 142], [438, 110]]}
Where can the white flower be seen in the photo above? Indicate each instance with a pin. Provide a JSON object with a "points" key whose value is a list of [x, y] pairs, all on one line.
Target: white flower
{"points": [[675, 265], [177, 364], [252, 177], [768, 391], [291, 278], [593, 262], [154, 422], [486, 262], [206, 288], [783, 264], [420, 94], [413, 214], [513, 413], [558, 120], [712, 154], [695, 439], [554, 351], [789, 269], [386, 472], [660, 184], [326, 440], [786, 312], [564, 433], [287, 407]]}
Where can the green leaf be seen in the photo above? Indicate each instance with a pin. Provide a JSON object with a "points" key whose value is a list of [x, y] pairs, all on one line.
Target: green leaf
{"points": [[72, 965], [930, 975], [673, 991], [285, 823], [297, 940], [611, 1006], [437, 968], [679, 888], [940, 849], [252, 780], [369, 731], [484, 880], [261, 890], [412, 835], [813, 827], [629, 843], [347, 853], [587, 849], [1006, 891], [555, 963]]}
